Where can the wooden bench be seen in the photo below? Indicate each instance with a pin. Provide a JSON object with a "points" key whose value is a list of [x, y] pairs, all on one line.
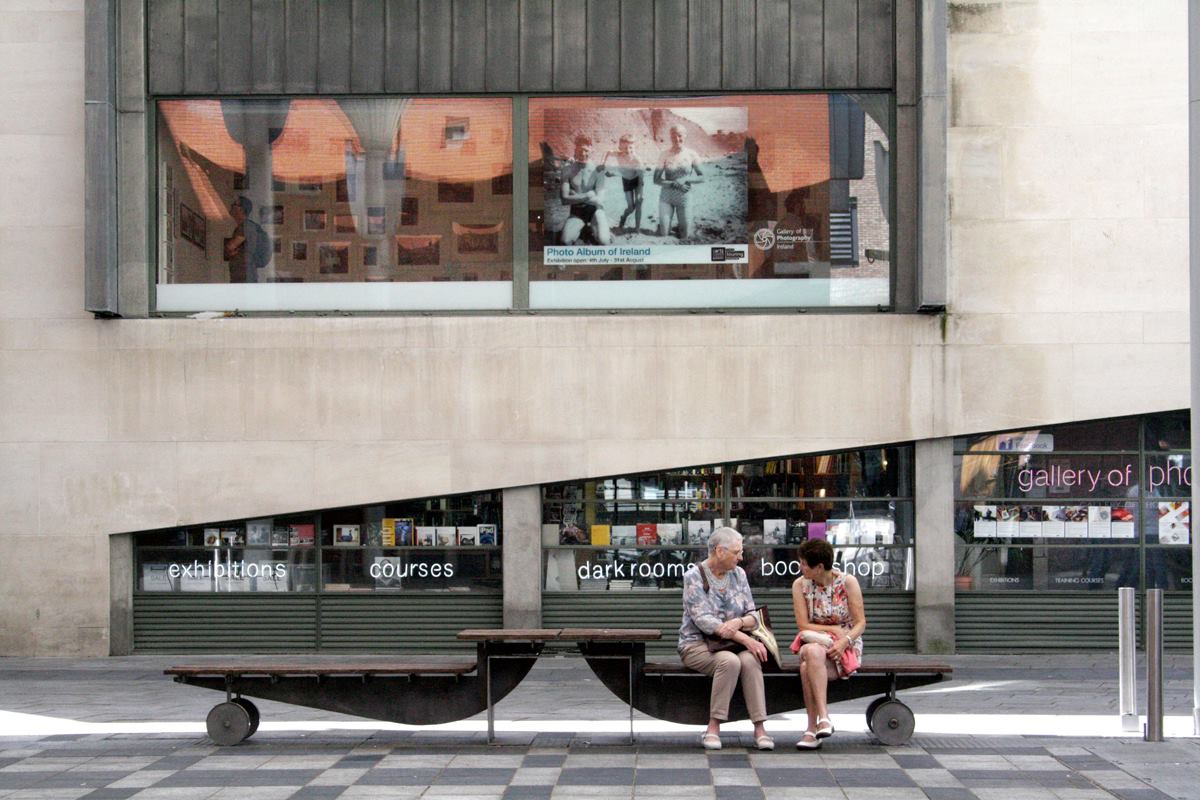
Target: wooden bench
{"points": [[672, 691], [414, 691]]}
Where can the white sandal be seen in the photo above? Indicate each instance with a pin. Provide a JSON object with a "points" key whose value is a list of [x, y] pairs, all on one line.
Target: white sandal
{"points": [[809, 741], [711, 741], [824, 728]]}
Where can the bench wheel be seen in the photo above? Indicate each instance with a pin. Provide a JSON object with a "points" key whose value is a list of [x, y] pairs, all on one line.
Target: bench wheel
{"points": [[874, 704], [252, 710], [891, 721], [228, 723]]}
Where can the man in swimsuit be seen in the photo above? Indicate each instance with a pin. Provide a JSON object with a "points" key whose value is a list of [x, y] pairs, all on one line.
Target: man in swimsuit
{"points": [[582, 187], [624, 162]]}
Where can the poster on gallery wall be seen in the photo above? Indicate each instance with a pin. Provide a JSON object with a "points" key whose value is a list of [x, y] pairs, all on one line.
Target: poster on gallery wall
{"points": [[685, 164], [985, 522], [1174, 523]]}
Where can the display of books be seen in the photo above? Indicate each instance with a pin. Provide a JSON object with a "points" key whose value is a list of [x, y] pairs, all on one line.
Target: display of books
{"points": [[624, 535], [280, 536], [468, 535], [345, 535], [258, 532], [425, 536], [601, 535], [774, 531], [446, 535], [302, 535], [212, 537], [670, 533], [403, 532], [620, 584], [487, 534], [698, 531], [593, 585]]}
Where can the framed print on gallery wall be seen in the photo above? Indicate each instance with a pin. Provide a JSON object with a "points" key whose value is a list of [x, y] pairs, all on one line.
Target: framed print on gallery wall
{"points": [[345, 223], [314, 220], [346, 535], [299, 251], [334, 258]]}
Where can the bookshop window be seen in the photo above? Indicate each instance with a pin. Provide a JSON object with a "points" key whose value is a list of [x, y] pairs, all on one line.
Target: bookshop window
{"points": [[691, 202], [449, 544], [312, 204], [1084, 506], [643, 531]]}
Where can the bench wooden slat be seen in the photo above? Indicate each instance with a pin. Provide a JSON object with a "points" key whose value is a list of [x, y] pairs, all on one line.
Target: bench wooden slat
{"points": [[509, 634], [610, 634], [442, 666], [877, 667]]}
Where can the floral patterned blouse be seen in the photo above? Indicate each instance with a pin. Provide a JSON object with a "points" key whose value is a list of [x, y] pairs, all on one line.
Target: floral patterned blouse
{"points": [[830, 605], [703, 612]]}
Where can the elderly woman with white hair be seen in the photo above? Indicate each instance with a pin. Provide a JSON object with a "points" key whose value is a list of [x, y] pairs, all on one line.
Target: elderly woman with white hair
{"points": [[716, 606]]}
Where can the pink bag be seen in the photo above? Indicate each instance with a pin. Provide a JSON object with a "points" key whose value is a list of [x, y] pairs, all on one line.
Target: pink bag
{"points": [[850, 662]]}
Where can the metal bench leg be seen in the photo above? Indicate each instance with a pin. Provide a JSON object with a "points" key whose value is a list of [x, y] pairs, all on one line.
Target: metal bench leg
{"points": [[631, 738], [487, 668]]}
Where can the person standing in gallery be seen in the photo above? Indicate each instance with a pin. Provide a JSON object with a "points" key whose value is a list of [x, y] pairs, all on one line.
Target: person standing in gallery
{"points": [[249, 248], [581, 190], [624, 162], [678, 171]]}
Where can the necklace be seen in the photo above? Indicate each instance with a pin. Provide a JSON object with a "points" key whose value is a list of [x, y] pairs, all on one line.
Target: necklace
{"points": [[721, 583]]}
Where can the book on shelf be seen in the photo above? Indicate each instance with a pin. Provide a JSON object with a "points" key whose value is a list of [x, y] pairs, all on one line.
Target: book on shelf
{"points": [[601, 535], [388, 532], [670, 533], [425, 536], [698, 531], [403, 530], [446, 535], [774, 531], [620, 584], [346, 535], [372, 535], [258, 532], [212, 537], [624, 535], [647, 533], [232, 537], [593, 585], [797, 533], [337, 587], [468, 535], [302, 535], [487, 533], [280, 536]]}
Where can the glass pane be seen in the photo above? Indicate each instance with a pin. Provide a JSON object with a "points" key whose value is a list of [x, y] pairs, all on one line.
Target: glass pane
{"points": [[1093, 436], [226, 569], [1169, 431], [882, 472], [320, 204], [1168, 568], [390, 569], [1001, 523], [1045, 568], [1169, 475], [1030, 475], [737, 200]]}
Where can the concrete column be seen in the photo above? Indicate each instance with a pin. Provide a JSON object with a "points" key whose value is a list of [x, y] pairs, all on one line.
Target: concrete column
{"points": [[935, 545], [522, 557], [120, 593]]}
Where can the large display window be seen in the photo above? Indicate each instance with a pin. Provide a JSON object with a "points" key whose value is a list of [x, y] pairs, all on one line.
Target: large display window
{"points": [[322, 204], [640, 532], [1093, 505], [726, 201], [449, 544], [369, 204]]}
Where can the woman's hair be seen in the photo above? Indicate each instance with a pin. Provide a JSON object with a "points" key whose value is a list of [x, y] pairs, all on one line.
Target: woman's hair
{"points": [[680, 129], [723, 537], [817, 552]]}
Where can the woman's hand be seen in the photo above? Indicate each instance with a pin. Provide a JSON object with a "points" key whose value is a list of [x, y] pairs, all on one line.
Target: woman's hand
{"points": [[754, 646], [729, 627], [839, 646]]}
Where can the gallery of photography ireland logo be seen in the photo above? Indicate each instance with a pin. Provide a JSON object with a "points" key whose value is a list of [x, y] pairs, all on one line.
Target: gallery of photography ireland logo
{"points": [[764, 238]]}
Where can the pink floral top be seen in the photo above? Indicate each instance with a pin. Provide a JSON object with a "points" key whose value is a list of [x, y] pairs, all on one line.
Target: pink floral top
{"points": [[830, 605]]}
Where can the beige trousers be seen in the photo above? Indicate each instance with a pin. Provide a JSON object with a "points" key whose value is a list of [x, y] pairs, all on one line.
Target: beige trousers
{"points": [[725, 668]]}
